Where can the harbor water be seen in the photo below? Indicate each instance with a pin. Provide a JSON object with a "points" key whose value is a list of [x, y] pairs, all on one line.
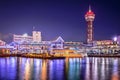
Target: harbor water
{"points": [[89, 68]]}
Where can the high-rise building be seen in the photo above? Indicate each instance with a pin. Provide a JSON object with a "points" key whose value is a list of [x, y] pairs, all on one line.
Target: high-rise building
{"points": [[36, 36], [89, 17]]}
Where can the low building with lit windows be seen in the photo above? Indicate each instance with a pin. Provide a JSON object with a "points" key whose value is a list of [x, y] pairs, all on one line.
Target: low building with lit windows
{"points": [[105, 43], [22, 38], [36, 37], [103, 46]]}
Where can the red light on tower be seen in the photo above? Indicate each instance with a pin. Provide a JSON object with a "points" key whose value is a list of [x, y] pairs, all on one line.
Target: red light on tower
{"points": [[89, 17]]}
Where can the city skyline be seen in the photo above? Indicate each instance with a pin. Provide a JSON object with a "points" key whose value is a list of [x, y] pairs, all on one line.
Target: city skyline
{"points": [[59, 18]]}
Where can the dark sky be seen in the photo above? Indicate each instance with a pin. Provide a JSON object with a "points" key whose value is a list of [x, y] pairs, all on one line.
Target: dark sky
{"points": [[63, 18]]}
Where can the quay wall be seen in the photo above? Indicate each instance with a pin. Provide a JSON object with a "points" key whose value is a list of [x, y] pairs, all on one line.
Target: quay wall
{"points": [[103, 55]]}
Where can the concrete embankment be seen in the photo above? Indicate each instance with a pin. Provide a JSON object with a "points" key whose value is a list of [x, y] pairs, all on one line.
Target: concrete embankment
{"points": [[43, 56], [8, 55]]}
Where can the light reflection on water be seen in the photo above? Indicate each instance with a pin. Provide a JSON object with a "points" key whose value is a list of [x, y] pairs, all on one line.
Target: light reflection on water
{"points": [[16, 68]]}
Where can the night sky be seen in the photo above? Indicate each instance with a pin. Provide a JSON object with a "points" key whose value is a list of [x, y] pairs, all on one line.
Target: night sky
{"points": [[55, 18]]}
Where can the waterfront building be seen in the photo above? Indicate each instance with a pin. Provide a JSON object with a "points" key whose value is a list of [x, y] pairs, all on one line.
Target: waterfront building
{"points": [[4, 48], [36, 37], [89, 17], [22, 38], [26, 43], [33, 44], [76, 46], [57, 43], [105, 43], [103, 46]]}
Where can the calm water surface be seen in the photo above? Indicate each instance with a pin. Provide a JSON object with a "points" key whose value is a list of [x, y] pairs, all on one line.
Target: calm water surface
{"points": [[16, 68]]}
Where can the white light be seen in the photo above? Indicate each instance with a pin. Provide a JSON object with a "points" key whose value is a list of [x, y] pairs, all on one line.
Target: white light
{"points": [[25, 35], [115, 38]]}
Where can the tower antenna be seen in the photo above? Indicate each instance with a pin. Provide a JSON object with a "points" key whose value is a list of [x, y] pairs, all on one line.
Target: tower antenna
{"points": [[89, 8]]}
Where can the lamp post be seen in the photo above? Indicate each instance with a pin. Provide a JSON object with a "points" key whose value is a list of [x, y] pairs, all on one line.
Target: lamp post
{"points": [[115, 41]]}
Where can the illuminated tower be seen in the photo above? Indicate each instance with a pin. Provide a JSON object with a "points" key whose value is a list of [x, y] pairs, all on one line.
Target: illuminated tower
{"points": [[36, 36], [89, 17]]}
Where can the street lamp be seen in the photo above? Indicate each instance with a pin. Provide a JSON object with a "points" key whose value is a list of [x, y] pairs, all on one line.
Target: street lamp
{"points": [[115, 39], [115, 43]]}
